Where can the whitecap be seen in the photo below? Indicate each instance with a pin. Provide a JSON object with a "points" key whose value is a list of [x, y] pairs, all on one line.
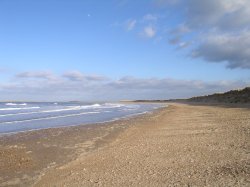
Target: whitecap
{"points": [[16, 104], [26, 108]]}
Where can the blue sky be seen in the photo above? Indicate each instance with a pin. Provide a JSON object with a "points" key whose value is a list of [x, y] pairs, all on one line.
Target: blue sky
{"points": [[105, 44]]}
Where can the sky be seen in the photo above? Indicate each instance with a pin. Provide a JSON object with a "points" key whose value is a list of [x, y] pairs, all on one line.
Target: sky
{"points": [[89, 50]]}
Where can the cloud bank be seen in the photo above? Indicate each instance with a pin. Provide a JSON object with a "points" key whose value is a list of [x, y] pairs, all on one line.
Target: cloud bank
{"points": [[219, 30], [231, 48], [75, 85]]}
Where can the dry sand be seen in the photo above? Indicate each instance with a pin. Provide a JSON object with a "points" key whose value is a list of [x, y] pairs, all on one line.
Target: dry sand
{"points": [[182, 145]]}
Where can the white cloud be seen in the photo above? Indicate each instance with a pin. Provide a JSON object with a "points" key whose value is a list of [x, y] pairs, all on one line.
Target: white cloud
{"points": [[78, 76], [37, 75], [146, 25], [149, 32], [130, 24], [183, 45], [150, 17], [74, 76]]}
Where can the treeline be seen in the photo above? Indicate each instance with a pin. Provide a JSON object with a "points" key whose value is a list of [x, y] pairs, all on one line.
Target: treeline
{"points": [[233, 96]]}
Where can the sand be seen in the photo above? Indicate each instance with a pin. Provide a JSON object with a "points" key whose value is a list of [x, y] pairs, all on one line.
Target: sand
{"points": [[181, 145]]}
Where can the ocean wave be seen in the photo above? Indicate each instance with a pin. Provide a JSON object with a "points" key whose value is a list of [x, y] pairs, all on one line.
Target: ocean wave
{"points": [[69, 108], [101, 106], [53, 117], [90, 106], [114, 105], [128, 109], [16, 104], [45, 111], [25, 108]]}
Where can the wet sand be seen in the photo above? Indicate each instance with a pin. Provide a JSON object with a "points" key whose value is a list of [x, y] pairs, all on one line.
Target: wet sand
{"points": [[181, 145]]}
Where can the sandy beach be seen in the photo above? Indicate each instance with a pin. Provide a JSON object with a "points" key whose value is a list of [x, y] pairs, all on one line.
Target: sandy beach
{"points": [[180, 145]]}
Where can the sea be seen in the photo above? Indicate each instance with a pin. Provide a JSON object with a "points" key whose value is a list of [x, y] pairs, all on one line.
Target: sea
{"points": [[25, 116]]}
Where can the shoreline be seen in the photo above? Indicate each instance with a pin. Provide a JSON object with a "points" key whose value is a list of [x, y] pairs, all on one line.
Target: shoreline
{"points": [[11, 144], [114, 118], [147, 150], [70, 126]]}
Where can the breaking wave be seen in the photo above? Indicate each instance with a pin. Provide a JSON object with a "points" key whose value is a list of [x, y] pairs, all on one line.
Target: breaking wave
{"points": [[16, 104], [25, 108]]}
